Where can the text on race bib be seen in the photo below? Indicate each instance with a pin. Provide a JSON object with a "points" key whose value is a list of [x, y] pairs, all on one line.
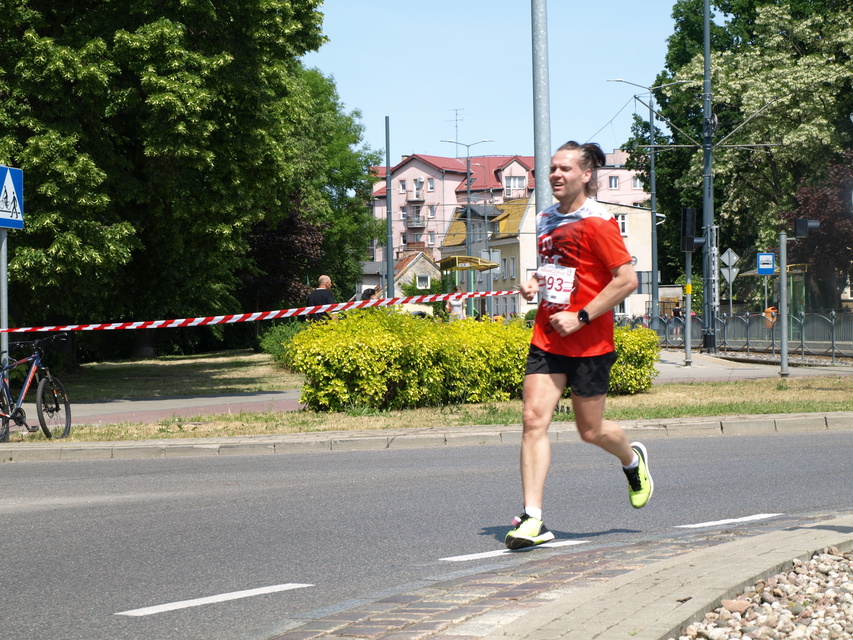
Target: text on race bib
{"points": [[556, 283]]}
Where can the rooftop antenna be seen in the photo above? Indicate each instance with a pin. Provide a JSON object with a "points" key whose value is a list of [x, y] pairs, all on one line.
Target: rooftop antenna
{"points": [[456, 120]]}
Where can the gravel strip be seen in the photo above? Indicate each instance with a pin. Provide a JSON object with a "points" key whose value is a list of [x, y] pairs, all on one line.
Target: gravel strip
{"points": [[814, 600]]}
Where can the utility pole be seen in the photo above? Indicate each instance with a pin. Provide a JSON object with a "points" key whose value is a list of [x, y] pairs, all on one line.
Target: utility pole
{"points": [[470, 277], [541, 105], [389, 225], [711, 279]]}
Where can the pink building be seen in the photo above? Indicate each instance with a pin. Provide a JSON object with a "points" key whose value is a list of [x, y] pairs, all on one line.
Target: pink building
{"points": [[426, 192]]}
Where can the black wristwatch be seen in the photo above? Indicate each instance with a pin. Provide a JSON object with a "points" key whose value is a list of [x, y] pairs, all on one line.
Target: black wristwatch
{"points": [[583, 316]]}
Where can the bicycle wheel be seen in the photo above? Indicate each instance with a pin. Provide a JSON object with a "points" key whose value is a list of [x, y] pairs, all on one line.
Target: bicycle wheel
{"points": [[53, 408], [4, 422]]}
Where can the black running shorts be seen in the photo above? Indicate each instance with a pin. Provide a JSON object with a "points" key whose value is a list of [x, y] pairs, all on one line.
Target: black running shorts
{"points": [[588, 376]]}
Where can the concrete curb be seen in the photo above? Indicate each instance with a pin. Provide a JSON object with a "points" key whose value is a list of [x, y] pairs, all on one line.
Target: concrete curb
{"points": [[659, 601], [411, 438]]}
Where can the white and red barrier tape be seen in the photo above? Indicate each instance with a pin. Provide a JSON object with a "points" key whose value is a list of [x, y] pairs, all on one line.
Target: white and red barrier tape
{"points": [[258, 315]]}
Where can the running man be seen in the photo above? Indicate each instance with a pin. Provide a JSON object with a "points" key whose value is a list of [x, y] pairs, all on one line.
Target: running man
{"points": [[585, 271]]}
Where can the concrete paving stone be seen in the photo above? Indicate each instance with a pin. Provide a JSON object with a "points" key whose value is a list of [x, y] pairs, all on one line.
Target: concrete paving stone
{"points": [[801, 423], [25, 453], [839, 421], [568, 435], [361, 631], [747, 427], [402, 598], [85, 453], [471, 439], [698, 428], [192, 450], [645, 432], [303, 447], [360, 444], [298, 635], [512, 437], [418, 440], [246, 448], [152, 451]]}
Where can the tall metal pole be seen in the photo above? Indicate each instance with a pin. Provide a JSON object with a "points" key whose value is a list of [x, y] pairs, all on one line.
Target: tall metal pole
{"points": [[710, 277], [541, 105], [470, 304], [470, 277], [389, 226], [4, 295], [688, 308], [783, 302], [655, 311]]}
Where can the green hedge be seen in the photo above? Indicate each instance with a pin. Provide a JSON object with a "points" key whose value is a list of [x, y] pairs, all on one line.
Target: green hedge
{"points": [[385, 359], [634, 371]]}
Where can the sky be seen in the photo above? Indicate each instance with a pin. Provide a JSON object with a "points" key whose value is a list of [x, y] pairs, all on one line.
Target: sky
{"points": [[462, 70]]}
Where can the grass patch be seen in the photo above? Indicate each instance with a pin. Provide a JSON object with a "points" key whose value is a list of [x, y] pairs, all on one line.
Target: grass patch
{"points": [[245, 371], [226, 372]]}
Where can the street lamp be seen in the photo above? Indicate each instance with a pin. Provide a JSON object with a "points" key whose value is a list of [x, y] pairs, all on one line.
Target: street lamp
{"points": [[655, 310], [488, 248], [470, 305]]}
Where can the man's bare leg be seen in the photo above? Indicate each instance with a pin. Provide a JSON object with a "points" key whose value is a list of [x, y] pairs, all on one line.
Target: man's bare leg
{"points": [[541, 394]]}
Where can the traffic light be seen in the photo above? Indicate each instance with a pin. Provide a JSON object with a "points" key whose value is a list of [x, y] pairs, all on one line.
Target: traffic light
{"points": [[689, 241], [802, 226]]}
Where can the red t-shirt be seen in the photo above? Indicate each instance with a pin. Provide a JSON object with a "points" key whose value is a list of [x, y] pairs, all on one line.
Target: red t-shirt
{"points": [[587, 240]]}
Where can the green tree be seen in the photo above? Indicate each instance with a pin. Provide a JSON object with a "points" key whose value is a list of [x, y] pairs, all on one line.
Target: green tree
{"points": [[786, 62], [829, 249], [159, 140]]}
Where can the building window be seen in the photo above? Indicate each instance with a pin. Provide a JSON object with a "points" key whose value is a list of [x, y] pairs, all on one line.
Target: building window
{"points": [[402, 186], [503, 268], [614, 182], [432, 211], [403, 240], [432, 237], [514, 183], [636, 183], [512, 267], [418, 237], [430, 184], [622, 219], [423, 282], [403, 213]]}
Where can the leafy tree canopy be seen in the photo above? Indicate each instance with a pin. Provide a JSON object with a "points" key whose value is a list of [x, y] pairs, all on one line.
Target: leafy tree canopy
{"points": [[781, 76], [160, 141]]}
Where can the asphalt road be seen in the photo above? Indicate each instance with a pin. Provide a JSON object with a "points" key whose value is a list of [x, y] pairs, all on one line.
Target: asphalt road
{"points": [[86, 542]]}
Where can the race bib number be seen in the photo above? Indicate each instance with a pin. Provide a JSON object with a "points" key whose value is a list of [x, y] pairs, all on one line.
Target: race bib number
{"points": [[556, 283]]}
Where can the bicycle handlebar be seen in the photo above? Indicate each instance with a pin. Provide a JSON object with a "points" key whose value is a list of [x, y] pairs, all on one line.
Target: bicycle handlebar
{"points": [[38, 341]]}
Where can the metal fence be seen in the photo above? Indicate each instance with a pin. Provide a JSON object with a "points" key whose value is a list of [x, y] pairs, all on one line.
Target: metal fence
{"points": [[808, 334]]}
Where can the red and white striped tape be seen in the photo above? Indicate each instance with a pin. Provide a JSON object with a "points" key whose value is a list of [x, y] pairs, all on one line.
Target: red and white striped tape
{"points": [[258, 315]]}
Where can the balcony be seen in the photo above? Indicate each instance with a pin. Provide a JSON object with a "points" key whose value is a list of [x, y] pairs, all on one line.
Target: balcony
{"points": [[416, 222], [415, 195]]}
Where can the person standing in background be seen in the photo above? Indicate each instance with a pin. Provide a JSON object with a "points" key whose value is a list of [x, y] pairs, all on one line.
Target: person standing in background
{"points": [[456, 306], [320, 296]]}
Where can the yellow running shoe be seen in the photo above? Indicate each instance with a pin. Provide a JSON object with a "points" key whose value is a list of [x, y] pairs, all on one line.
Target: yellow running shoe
{"points": [[640, 483], [529, 532]]}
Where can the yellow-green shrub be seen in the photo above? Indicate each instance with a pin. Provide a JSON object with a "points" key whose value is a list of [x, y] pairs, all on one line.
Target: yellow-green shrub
{"points": [[386, 359], [634, 371]]}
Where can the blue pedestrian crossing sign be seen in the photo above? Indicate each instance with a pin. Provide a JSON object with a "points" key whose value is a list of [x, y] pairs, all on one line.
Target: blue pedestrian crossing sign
{"points": [[11, 198]]}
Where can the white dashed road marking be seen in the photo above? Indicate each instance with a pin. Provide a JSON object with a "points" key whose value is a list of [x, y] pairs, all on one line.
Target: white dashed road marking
{"points": [[222, 597], [718, 523]]}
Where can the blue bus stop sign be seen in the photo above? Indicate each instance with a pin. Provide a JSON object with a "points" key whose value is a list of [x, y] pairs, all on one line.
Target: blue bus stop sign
{"points": [[11, 198], [766, 264]]}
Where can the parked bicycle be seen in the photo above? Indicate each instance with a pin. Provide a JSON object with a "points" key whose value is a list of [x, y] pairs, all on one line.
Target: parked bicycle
{"points": [[52, 406]]}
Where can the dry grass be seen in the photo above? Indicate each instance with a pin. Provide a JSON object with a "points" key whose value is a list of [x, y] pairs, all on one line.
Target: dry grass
{"points": [[244, 371]]}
